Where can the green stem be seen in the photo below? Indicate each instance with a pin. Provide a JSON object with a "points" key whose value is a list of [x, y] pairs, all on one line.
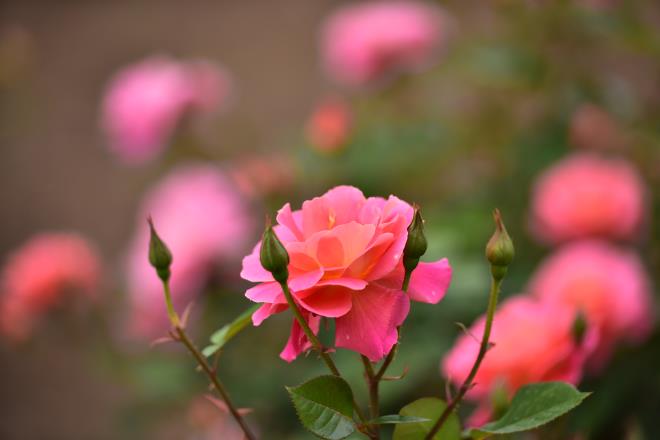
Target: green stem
{"points": [[201, 360], [483, 349], [171, 312], [316, 343], [372, 383]]}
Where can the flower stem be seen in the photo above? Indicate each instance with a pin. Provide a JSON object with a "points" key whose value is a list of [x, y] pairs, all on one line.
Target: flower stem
{"points": [[203, 363], [316, 343], [372, 383], [483, 349]]}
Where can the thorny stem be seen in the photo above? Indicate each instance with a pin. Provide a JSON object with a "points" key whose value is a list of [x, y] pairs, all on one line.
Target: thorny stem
{"points": [[485, 343], [316, 343], [203, 363]]}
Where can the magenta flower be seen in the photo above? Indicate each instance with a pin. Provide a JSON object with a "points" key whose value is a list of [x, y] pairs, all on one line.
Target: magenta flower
{"points": [[532, 342], [345, 264], [40, 275], [608, 285], [586, 196], [204, 221], [146, 102], [364, 42]]}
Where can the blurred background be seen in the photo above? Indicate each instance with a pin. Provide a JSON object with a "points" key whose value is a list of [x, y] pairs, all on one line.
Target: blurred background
{"points": [[261, 108]]}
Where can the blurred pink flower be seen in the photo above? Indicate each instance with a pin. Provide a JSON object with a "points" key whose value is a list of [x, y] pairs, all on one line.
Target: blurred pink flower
{"points": [[345, 253], [145, 103], [586, 195], [593, 128], [203, 220], [258, 176], [362, 43], [607, 284], [329, 126], [40, 274], [533, 342]]}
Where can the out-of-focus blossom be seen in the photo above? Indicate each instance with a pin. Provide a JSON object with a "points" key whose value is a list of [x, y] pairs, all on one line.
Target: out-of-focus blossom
{"points": [[594, 128], [365, 42], [607, 284], [586, 195], [346, 263], [203, 220], [209, 419], [258, 176], [329, 127], [40, 275], [146, 102], [532, 341]]}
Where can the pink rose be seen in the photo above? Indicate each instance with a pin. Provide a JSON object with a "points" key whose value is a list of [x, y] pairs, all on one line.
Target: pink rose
{"points": [[345, 263], [586, 195], [362, 43], [40, 275], [203, 220], [329, 126], [532, 342], [607, 284], [146, 102]]}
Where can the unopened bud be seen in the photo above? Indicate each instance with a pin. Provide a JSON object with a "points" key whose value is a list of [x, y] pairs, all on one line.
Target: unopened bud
{"points": [[160, 256], [499, 250], [416, 244], [579, 328], [273, 255]]}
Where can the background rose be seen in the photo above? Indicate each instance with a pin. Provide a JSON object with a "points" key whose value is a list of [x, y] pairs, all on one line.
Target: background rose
{"points": [[609, 285]]}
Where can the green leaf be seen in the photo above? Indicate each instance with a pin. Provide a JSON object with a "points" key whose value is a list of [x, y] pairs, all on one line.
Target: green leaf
{"points": [[533, 405], [428, 408], [396, 419], [221, 336], [325, 406], [210, 350]]}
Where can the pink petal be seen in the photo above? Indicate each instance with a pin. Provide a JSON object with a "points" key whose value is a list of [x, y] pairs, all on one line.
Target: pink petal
{"points": [[252, 269], [362, 266], [345, 202], [266, 311], [370, 328], [429, 281], [298, 342], [330, 301], [266, 293], [350, 283], [286, 218], [304, 280]]}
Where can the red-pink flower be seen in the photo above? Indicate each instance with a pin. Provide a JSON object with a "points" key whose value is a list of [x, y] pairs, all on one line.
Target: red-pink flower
{"points": [[329, 126], [39, 276], [364, 42], [146, 102], [203, 220], [586, 195], [345, 263], [607, 284], [532, 342]]}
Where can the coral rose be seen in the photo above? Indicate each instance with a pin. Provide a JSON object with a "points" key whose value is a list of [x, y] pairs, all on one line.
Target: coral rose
{"points": [[329, 127], [39, 275], [532, 342], [346, 263], [362, 43], [203, 220], [585, 196], [607, 284], [145, 103]]}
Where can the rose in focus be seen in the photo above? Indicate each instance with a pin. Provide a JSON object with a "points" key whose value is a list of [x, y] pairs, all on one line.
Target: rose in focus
{"points": [[345, 255]]}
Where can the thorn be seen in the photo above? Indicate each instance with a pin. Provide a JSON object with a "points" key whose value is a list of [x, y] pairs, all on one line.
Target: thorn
{"points": [[467, 332], [186, 314], [403, 374], [160, 341]]}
